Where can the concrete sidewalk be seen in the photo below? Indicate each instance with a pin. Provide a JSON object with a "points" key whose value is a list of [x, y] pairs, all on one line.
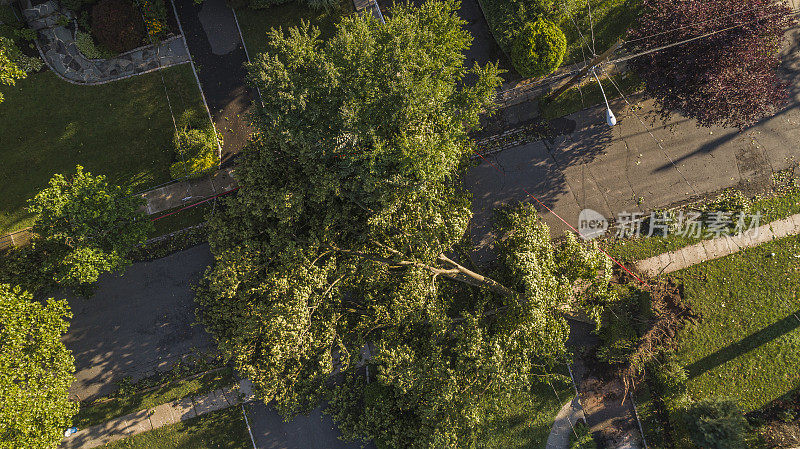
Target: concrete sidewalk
{"points": [[162, 415], [160, 199], [719, 247], [185, 192], [626, 169], [564, 422]]}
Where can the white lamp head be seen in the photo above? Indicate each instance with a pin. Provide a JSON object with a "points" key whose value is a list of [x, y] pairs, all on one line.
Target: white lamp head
{"points": [[610, 119]]}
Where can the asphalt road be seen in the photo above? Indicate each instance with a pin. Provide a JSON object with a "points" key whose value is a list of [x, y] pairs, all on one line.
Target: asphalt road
{"points": [[137, 323], [626, 169], [315, 431]]}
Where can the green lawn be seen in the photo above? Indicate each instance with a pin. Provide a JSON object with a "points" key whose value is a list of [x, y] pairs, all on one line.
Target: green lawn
{"points": [[771, 209], [611, 20], [223, 429], [575, 99], [256, 23], [747, 344], [106, 409], [525, 422], [180, 219], [122, 129]]}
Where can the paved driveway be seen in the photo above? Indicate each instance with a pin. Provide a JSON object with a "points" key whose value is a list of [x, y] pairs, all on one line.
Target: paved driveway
{"points": [[137, 323], [623, 169], [218, 52]]}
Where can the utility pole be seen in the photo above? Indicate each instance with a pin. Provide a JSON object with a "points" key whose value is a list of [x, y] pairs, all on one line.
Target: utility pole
{"points": [[584, 71]]}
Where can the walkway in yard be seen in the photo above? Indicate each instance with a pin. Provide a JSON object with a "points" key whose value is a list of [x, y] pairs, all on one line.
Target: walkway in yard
{"points": [[219, 55], [57, 47], [160, 199], [718, 247]]}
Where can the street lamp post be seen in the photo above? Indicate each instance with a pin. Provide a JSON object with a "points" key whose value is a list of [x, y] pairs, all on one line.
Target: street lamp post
{"points": [[610, 119]]}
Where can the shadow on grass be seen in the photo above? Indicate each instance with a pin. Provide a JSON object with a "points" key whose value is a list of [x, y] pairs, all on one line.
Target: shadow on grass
{"points": [[749, 343]]}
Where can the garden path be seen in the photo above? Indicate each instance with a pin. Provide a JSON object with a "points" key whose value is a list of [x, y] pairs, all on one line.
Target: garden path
{"points": [[56, 44]]}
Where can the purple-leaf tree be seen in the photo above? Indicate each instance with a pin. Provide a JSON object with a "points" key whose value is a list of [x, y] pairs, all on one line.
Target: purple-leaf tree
{"points": [[728, 78]]}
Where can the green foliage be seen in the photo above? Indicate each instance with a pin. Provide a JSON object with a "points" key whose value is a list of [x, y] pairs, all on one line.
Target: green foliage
{"points": [[35, 371], [334, 251], [528, 32], [195, 153], [86, 45], [668, 376], [732, 200], [85, 227], [538, 49], [10, 71], [582, 437], [716, 424], [261, 4], [322, 4], [622, 323]]}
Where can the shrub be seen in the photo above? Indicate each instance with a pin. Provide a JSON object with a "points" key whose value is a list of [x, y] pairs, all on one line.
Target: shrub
{"points": [[539, 49], [322, 4], [584, 439], [86, 45], [716, 424], [195, 153], [76, 5], [669, 377], [622, 324], [261, 4], [155, 17], [117, 24]]}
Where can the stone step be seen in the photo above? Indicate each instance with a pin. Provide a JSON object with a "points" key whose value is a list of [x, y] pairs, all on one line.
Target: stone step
{"points": [[40, 11]]}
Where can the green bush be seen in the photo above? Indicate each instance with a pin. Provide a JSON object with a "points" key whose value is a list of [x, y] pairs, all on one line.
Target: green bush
{"points": [[539, 49], [622, 323], [669, 377], [716, 424], [195, 153], [86, 45], [582, 438], [322, 4], [262, 4]]}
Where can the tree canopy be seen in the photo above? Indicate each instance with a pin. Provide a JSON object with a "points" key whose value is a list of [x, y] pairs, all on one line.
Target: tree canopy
{"points": [[344, 250], [35, 371], [85, 227], [728, 78], [10, 71]]}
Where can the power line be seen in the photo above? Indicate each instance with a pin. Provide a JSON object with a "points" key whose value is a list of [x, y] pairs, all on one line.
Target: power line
{"points": [[686, 41], [557, 77], [564, 221]]}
